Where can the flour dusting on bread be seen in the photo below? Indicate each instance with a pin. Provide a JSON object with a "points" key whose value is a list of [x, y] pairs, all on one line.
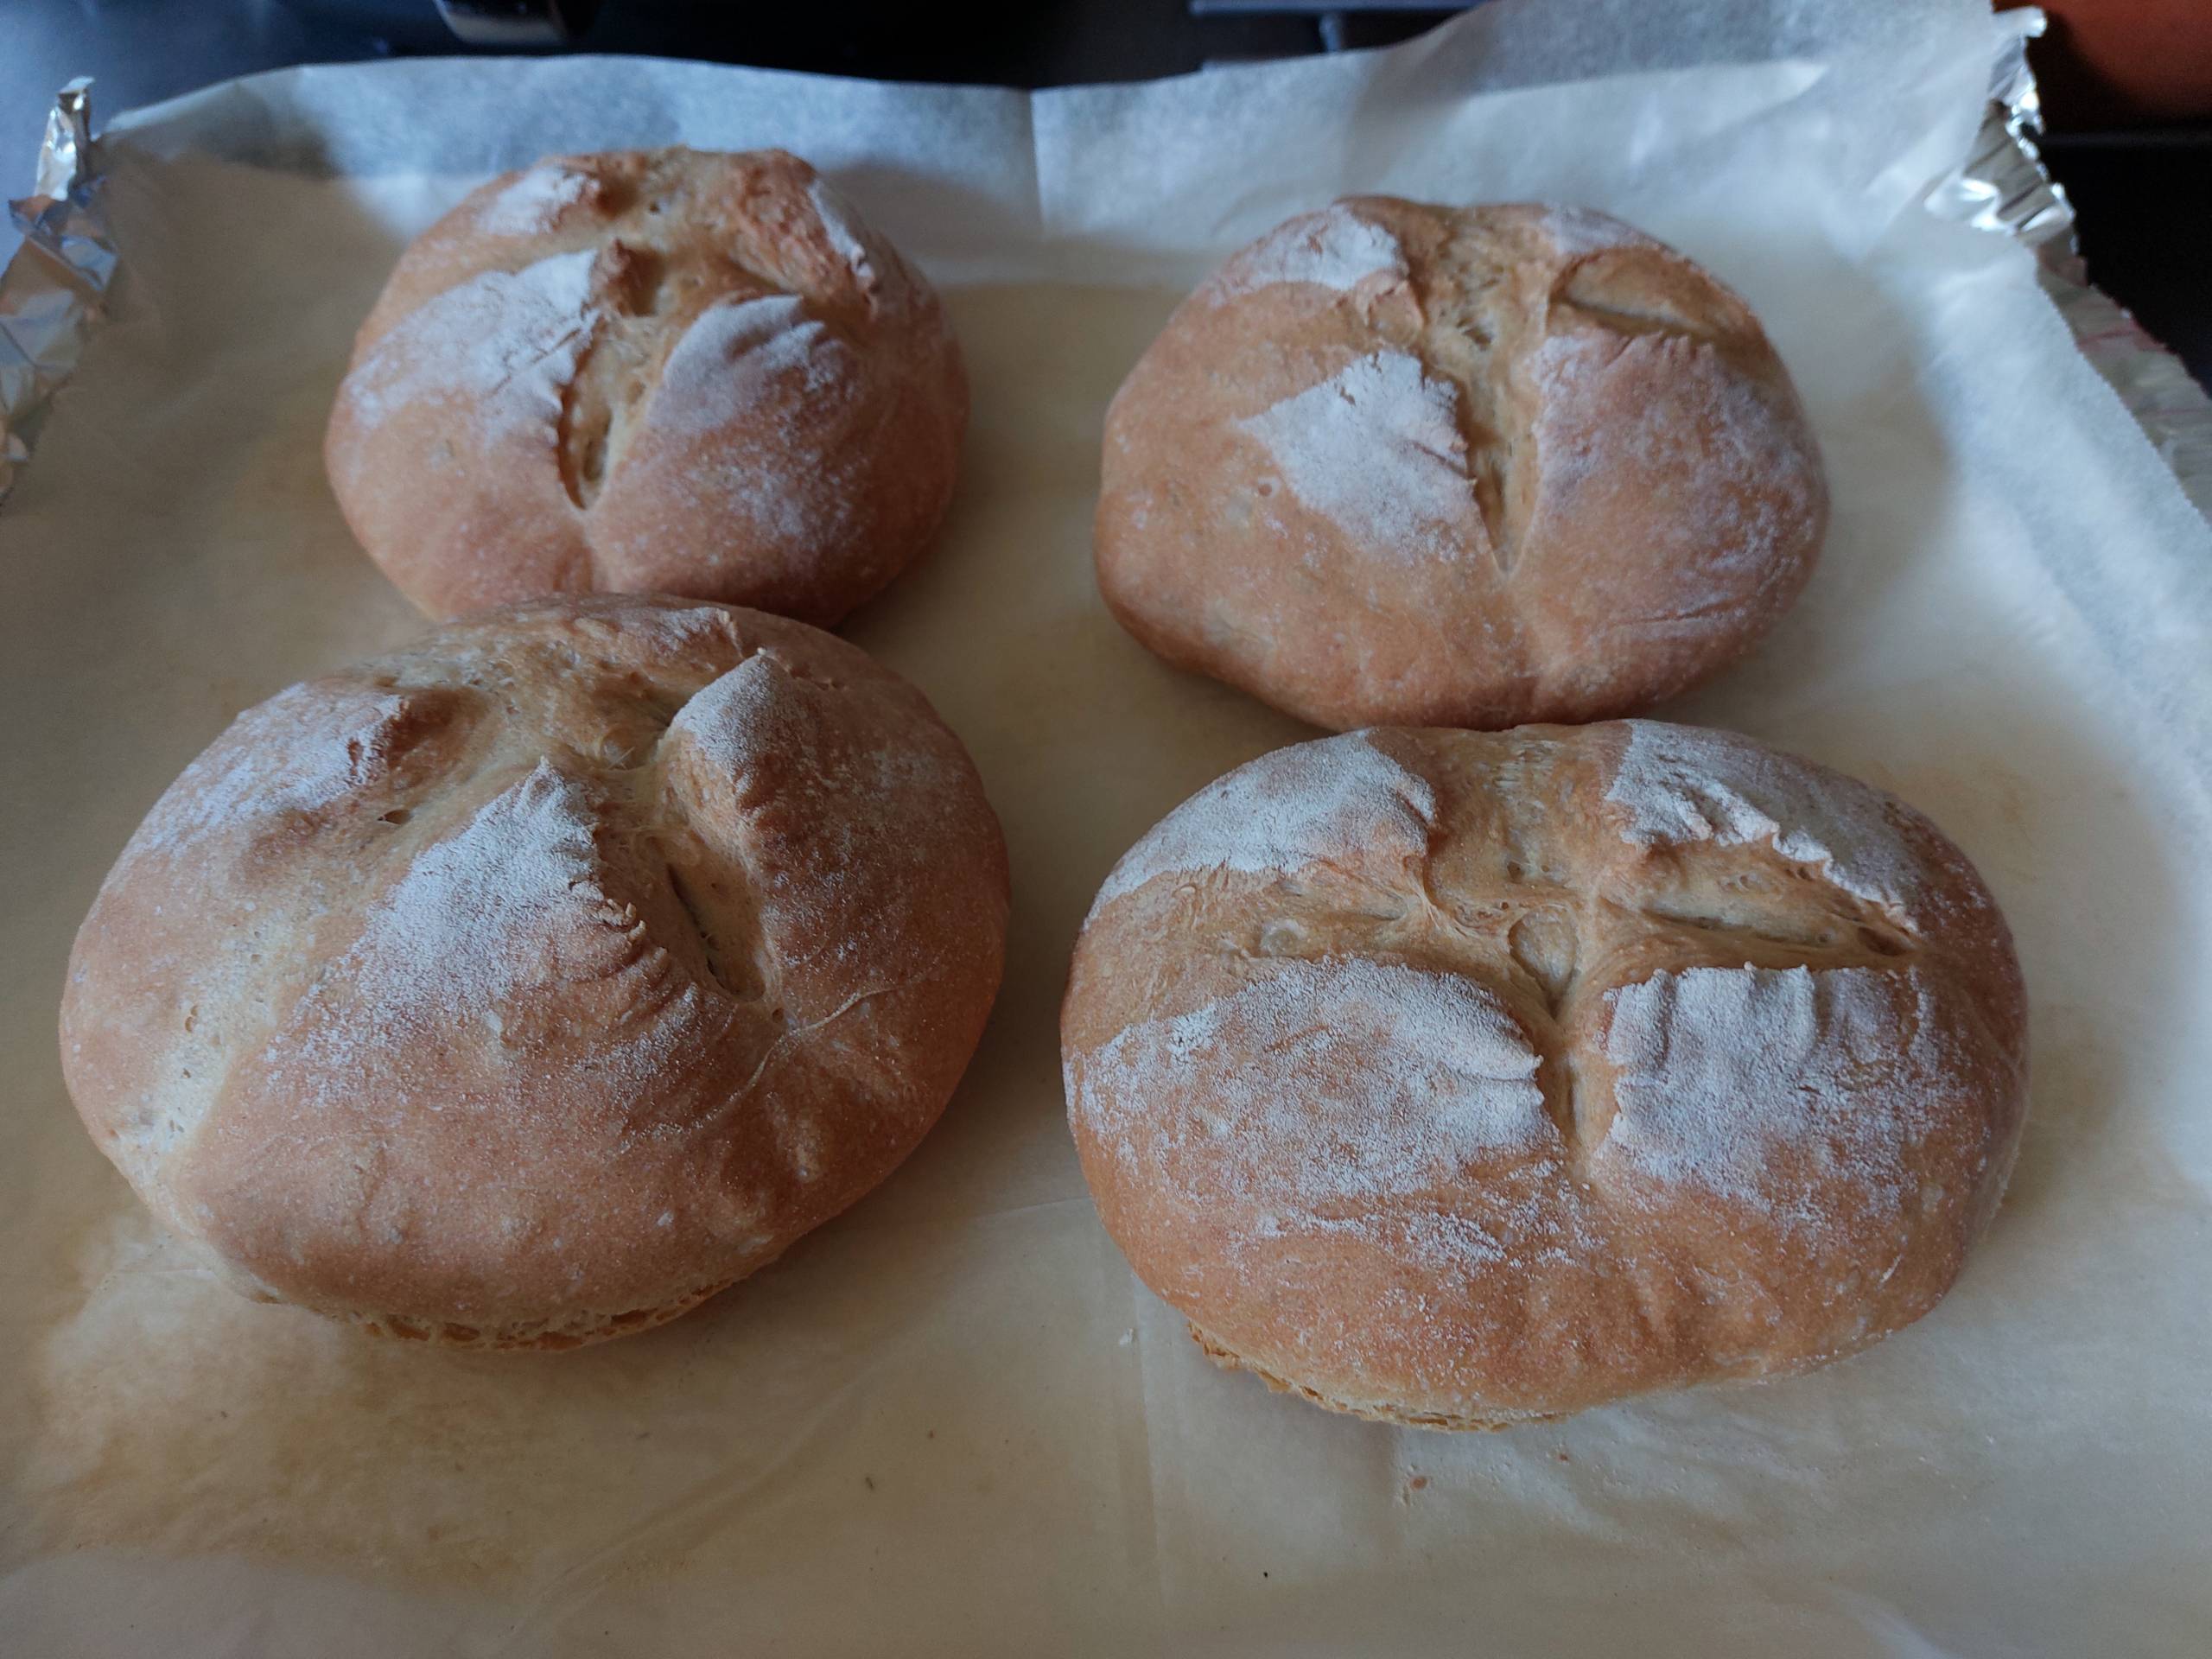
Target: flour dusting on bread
{"points": [[835, 807], [1323, 1085], [463, 954], [1679, 784], [305, 749], [735, 353], [537, 201], [1335, 249], [876, 264], [1576, 232], [476, 916], [1660, 422], [1340, 801], [1798, 1091], [737, 717], [508, 342], [1377, 450]]}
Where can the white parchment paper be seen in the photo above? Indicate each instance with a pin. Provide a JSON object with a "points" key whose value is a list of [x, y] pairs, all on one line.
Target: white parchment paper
{"points": [[951, 1422]]}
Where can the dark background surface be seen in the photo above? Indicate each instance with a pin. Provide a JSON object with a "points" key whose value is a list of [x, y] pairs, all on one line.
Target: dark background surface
{"points": [[2143, 195]]}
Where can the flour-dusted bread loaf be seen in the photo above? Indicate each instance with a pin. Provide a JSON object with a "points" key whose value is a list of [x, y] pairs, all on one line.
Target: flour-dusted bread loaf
{"points": [[529, 985], [1456, 1079], [1404, 464], [649, 372]]}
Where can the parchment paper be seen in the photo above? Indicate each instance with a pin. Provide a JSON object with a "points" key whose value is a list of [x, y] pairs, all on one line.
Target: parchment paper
{"points": [[951, 1422]]}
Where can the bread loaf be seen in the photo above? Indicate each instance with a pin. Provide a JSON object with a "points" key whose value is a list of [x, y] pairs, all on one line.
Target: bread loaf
{"points": [[649, 372], [528, 985], [1397, 463], [1456, 1078]]}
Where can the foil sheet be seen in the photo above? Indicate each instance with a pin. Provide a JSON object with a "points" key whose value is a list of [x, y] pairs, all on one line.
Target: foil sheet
{"points": [[2003, 185], [2003, 188], [51, 292], [54, 289]]}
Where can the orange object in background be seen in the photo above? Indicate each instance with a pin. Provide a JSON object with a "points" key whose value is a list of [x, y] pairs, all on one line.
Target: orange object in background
{"points": [[2124, 63]]}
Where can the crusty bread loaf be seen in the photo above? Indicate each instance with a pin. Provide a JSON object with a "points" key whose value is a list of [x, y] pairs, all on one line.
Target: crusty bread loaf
{"points": [[1404, 464], [526, 987], [1456, 1079], [649, 372]]}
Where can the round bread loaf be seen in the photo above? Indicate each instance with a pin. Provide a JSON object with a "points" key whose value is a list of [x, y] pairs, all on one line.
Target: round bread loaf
{"points": [[649, 372], [1399, 463], [529, 985], [1456, 1079]]}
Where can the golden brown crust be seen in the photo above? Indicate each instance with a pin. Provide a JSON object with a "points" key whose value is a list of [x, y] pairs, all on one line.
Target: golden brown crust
{"points": [[1456, 1079], [1373, 1411], [1402, 463], [649, 372], [531, 985]]}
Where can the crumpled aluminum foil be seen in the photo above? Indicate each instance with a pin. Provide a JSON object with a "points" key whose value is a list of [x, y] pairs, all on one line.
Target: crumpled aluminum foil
{"points": [[52, 291], [2003, 188], [2002, 185]]}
